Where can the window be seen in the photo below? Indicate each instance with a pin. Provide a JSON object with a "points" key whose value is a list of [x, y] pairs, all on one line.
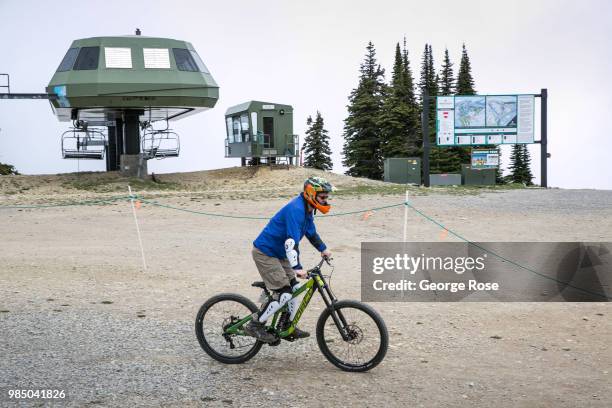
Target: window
{"points": [[187, 60], [237, 132], [156, 57], [254, 125], [87, 59], [230, 131], [68, 61], [199, 62], [184, 60], [118, 57], [244, 122]]}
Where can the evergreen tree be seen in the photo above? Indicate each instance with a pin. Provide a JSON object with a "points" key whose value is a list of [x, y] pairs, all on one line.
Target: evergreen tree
{"points": [[465, 86], [316, 145], [397, 120], [414, 122], [499, 175], [516, 165], [362, 147], [465, 82], [447, 79], [526, 170], [428, 84], [7, 169]]}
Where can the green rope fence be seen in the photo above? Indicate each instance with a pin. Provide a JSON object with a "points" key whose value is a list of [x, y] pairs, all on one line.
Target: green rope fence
{"points": [[422, 214], [155, 203], [245, 217]]}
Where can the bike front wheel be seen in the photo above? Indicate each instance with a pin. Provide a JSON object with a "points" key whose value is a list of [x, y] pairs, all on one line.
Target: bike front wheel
{"points": [[352, 336], [215, 315]]}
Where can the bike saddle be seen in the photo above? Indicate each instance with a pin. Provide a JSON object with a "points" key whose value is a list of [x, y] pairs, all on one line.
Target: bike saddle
{"points": [[259, 284]]}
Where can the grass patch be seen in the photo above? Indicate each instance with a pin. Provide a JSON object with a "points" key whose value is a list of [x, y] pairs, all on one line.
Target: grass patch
{"points": [[400, 189], [475, 190], [384, 189]]}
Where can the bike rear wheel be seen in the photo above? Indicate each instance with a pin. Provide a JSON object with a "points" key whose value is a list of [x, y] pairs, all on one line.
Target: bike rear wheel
{"points": [[367, 336], [214, 316]]}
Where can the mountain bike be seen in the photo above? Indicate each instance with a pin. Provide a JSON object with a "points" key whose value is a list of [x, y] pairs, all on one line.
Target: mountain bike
{"points": [[350, 334]]}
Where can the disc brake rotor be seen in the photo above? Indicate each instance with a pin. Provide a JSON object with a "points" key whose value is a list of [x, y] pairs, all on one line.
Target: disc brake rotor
{"points": [[355, 334]]}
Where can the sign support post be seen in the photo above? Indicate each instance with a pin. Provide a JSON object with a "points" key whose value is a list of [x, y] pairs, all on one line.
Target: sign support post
{"points": [[544, 138], [425, 127]]}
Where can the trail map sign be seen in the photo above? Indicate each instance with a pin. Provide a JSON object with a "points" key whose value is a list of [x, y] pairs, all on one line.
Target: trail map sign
{"points": [[484, 119], [485, 159]]}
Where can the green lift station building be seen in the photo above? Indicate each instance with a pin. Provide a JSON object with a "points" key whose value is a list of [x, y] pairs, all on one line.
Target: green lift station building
{"points": [[114, 88], [261, 132]]}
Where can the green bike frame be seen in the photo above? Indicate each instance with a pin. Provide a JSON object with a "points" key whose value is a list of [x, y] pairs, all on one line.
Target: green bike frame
{"points": [[315, 282]]}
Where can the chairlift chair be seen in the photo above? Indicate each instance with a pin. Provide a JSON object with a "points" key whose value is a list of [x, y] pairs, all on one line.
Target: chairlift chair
{"points": [[160, 144], [83, 143]]}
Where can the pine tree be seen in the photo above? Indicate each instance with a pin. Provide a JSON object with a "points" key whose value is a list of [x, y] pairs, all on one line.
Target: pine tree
{"points": [[316, 145], [397, 120], [465, 82], [447, 79], [428, 84], [527, 176], [516, 165], [362, 150], [413, 124], [465, 86], [7, 169]]}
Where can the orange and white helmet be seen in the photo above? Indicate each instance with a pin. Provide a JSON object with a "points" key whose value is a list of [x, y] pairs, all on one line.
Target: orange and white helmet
{"points": [[314, 186]]}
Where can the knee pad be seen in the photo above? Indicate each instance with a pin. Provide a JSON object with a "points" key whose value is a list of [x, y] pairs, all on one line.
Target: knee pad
{"points": [[275, 305]]}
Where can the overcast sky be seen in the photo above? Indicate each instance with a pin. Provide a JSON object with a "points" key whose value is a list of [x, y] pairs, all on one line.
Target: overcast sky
{"points": [[307, 54]]}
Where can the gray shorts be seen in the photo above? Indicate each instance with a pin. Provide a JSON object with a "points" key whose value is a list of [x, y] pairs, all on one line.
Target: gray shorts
{"points": [[276, 273]]}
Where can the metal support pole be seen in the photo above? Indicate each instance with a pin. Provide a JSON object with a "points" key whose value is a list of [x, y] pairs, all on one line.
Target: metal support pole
{"points": [[544, 139], [131, 132], [119, 142], [425, 126], [120, 138], [111, 149]]}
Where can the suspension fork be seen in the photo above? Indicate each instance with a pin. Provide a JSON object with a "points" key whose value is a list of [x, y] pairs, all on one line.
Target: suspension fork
{"points": [[330, 300]]}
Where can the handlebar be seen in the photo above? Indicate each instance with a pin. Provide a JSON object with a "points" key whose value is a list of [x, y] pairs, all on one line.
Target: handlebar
{"points": [[316, 268]]}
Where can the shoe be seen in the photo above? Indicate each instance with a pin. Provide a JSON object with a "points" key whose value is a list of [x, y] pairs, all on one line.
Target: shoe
{"points": [[257, 329], [300, 334]]}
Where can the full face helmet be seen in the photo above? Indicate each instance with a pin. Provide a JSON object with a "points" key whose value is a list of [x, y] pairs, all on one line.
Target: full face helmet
{"points": [[316, 190]]}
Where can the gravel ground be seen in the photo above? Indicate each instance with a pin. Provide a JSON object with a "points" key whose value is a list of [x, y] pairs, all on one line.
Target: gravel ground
{"points": [[535, 200], [77, 311]]}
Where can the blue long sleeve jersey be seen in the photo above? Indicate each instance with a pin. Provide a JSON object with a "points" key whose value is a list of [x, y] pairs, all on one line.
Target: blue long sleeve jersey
{"points": [[292, 221]]}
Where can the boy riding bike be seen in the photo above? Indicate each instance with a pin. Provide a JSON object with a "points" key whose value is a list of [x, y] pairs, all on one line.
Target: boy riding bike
{"points": [[276, 253]]}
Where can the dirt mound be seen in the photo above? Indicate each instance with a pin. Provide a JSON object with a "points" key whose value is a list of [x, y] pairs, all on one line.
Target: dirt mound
{"points": [[234, 182], [258, 178]]}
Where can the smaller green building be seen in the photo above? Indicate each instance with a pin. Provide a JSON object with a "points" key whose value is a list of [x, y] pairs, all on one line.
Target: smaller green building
{"points": [[477, 177], [261, 132], [403, 170]]}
